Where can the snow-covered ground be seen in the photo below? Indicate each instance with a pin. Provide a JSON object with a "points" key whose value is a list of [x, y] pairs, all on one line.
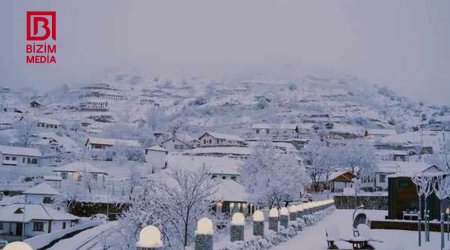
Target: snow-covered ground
{"points": [[313, 237]]}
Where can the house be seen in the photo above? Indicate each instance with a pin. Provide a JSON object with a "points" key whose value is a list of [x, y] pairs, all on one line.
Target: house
{"points": [[18, 156], [340, 179], [33, 219], [275, 131], [178, 143], [35, 104], [35, 216], [210, 139], [53, 181], [41, 193], [344, 131], [157, 157], [104, 143], [76, 170], [402, 192], [48, 123]]}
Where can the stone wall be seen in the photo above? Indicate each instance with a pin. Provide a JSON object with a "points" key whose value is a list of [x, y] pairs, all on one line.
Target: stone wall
{"points": [[369, 202]]}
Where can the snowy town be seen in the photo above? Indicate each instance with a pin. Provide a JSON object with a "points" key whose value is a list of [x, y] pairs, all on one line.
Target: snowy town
{"points": [[326, 162]]}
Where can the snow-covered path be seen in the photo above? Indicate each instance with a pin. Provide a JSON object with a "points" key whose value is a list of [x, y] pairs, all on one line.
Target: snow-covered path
{"points": [[85, 239], [313, 238]]}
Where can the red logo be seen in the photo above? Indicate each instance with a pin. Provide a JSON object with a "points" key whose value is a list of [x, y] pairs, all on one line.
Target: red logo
{"points": [[41, 25]]}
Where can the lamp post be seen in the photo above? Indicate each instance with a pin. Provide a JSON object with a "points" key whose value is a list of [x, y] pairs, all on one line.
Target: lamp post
{"points": [[18, 245], [219, 207], [447, 212], [149, 238]]}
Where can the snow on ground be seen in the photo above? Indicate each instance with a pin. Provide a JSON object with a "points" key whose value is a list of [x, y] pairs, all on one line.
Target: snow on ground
{"points": [[313, 237], [84, 239]]}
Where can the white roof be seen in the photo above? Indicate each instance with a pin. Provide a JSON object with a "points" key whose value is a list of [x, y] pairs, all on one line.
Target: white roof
{"points": [[79, 166], [49, 121], [229, 190], [214, 165], [112, 142], [8, 150], [274, 126], [32, 212], [427, 138], [347, 129], [52, 178], [244, 151], [42, 188], [157, 148], [381, 132], [406, 168], [224, 136]]}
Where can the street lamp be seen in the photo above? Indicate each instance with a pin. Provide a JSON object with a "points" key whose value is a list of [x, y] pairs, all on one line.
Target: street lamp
{"points": [[18, 245], [447, 212], [149, 237]]}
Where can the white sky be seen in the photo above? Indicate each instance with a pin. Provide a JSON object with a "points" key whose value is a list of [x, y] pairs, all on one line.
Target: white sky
{"points": [[403, 44]]}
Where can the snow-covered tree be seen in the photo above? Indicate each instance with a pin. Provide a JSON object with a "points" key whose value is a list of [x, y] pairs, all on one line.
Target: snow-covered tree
{"points": [[173, 202], [272, 177], [322, 159], [25, 128], [424, 188], [441, 188], [358, 154]]}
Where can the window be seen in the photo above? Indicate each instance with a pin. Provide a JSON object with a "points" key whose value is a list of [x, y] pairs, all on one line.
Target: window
{"points": [[382, 178], [7, 158], [224, 177], [34, 161], [13, 158], [64, 175], [63, 225], [38, 226], [213, 176], [48, 200], [234, 178], [257, 131], [1, 225]]}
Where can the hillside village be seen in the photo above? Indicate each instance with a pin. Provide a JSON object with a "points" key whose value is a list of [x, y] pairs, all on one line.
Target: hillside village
{"points": [[79, 151]]}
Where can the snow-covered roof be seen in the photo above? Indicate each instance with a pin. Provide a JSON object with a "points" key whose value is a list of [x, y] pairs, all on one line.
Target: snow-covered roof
{"points": [[347, 129], [49, 121], [382, 132], [274, 126], [8, 150], [157, 148], [243, 151], [214, 165], [229, 190], [28, 212], [79, 166], [114, 170], [336, 174], [427, 138], [405, 168], [223, 136], [112, 142], [52, 178], [42, 188]]}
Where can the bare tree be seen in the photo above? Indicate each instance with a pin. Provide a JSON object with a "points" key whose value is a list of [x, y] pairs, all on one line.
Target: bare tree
{"points": [[441, 189]]}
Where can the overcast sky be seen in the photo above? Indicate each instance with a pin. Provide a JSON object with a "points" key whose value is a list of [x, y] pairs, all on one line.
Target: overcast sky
{"points": [[400, 44]]}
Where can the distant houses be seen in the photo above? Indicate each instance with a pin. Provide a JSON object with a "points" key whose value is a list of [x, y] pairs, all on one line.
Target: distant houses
{"points": [[98, 143], [178, 143], [48, 123], [275, 131], [19, 156], [210, 139]]}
